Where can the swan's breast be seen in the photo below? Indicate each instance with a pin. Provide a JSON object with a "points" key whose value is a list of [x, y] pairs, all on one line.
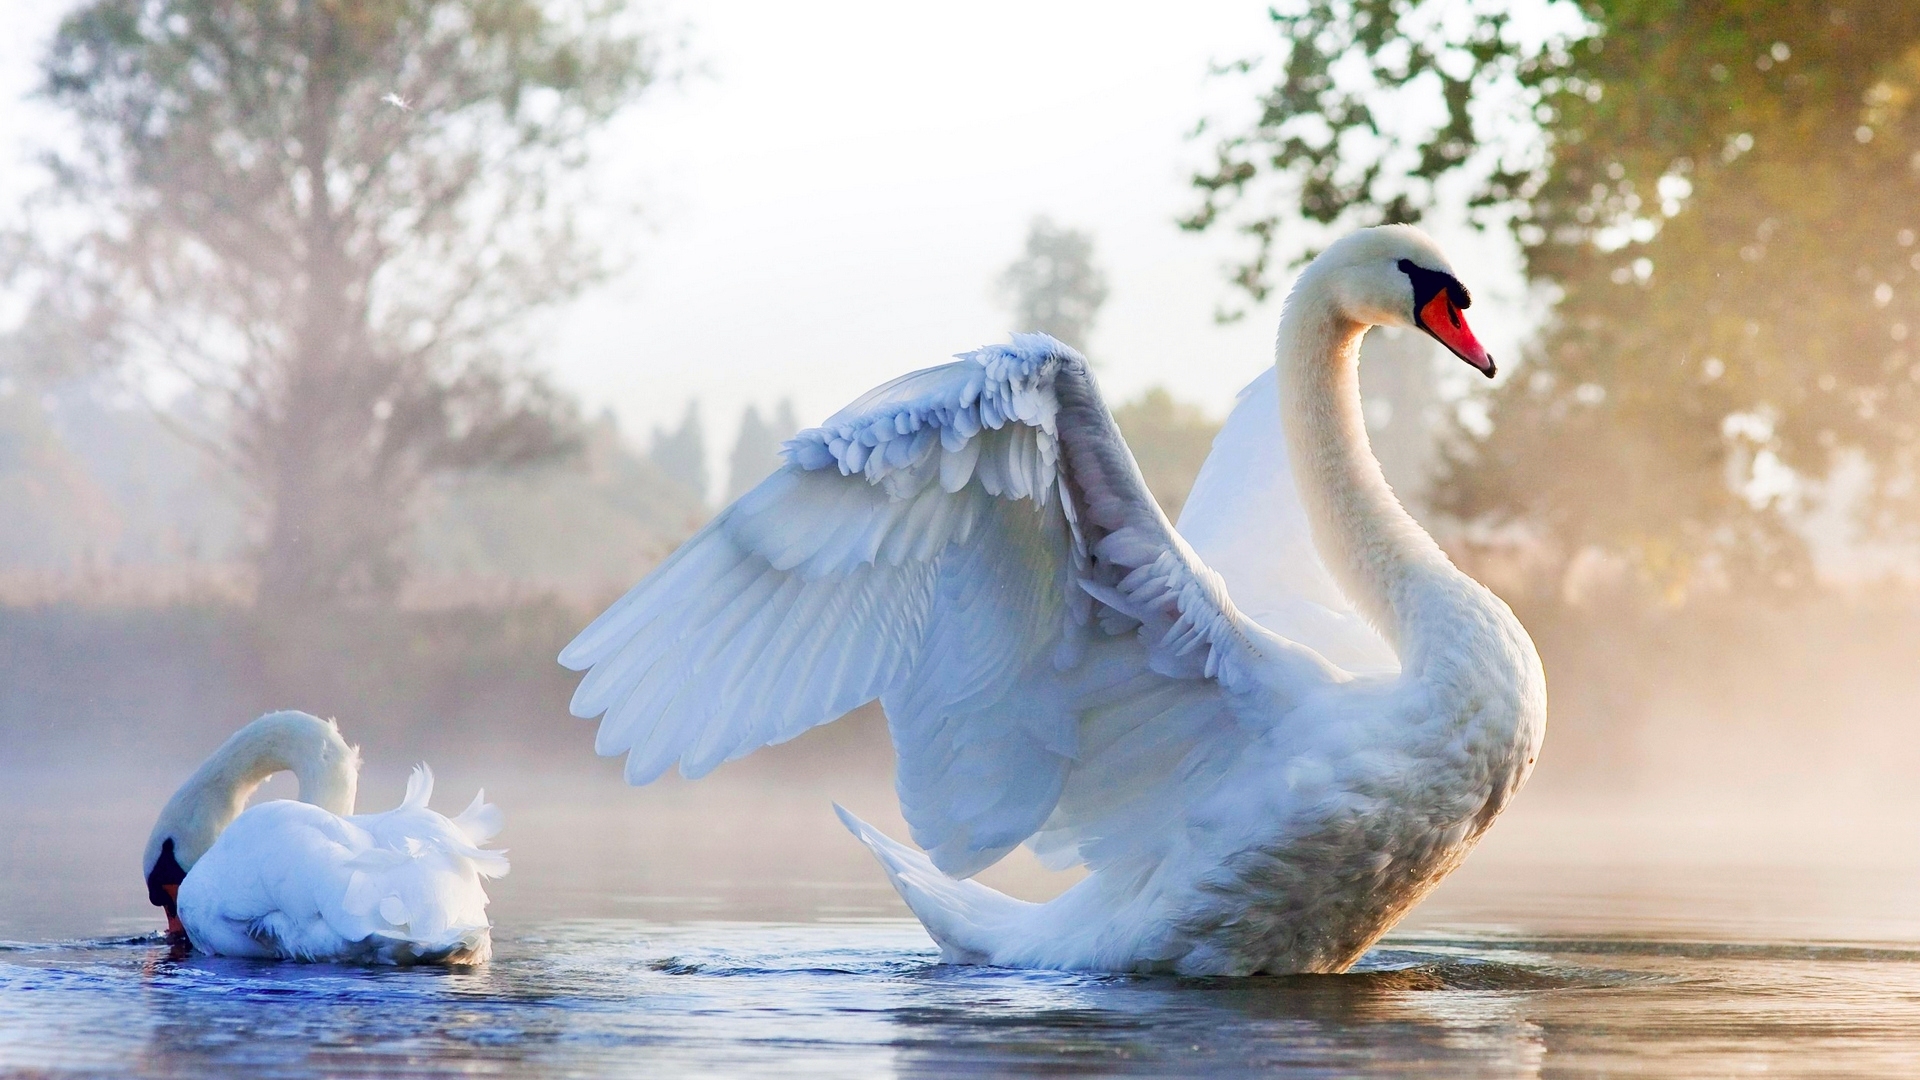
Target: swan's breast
{"points": [[1351, 811]]}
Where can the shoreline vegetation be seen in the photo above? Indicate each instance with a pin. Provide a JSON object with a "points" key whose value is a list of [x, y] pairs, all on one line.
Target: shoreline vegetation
{"points": [[1736, 694]]}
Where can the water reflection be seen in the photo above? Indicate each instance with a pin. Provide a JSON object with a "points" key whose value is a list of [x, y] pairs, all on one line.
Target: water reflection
{"points": [[1377, 1022], [629, 998], [731, 928]]}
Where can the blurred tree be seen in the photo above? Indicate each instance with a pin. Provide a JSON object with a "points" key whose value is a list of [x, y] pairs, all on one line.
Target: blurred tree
{"points": [[1054, 286], [57, 516], [756, 452], [682, 454], [491, 534], [1170, 439], [1725, 197], [326, 216]]}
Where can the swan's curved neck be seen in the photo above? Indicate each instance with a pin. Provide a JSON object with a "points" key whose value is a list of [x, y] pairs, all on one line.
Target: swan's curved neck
{"points": [[1374, 548], [310, 748]]}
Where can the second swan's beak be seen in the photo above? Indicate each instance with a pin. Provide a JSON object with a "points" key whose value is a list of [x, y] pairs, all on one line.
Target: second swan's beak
{"points": [[174, 926], [1442, 318]]}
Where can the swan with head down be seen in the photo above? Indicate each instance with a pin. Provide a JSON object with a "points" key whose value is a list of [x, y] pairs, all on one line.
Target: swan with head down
{"points": [[310, 879], [1266, 733]]}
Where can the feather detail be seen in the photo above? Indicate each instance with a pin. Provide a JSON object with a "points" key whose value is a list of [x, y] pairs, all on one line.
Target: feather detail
{"points": [[481, 821], [419, 788], [291, 880], [956, 543]]}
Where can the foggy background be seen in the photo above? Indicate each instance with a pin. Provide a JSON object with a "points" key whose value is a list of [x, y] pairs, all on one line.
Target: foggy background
{"points": [[717, 223]]}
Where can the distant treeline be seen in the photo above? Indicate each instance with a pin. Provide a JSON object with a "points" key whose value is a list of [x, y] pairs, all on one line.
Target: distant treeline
{"points": [[86, 684], [110, 505], [1744, 695]]}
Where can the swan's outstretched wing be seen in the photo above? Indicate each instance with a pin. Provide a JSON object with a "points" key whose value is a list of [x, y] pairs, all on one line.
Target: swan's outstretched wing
{"points": [[973, 545], [1246, 520]]}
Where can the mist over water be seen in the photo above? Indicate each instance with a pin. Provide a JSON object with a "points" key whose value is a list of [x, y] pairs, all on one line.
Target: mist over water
{"points": [[1714, 868], [730, 926]]}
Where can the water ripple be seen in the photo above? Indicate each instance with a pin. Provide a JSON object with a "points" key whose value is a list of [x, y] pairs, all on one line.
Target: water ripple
{"points": [[626, 997]]}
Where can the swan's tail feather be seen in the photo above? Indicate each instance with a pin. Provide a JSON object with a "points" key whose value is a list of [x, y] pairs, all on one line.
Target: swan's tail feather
{"points": [[963, 917], [481, 821], [419, 788]]}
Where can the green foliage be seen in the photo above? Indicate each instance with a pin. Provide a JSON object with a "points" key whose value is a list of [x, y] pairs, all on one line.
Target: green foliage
{"points": [[1375, 102], [326, 216], [1725, 198]]}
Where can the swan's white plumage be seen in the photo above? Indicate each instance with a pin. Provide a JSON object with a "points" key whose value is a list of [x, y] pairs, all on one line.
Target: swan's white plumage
{"points": [[289, 880], [973, 545], [298, 881]]}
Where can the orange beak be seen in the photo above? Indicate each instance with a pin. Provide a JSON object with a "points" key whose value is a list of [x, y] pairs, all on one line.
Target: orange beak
{"points": [[174, 927], [1442, 318]]}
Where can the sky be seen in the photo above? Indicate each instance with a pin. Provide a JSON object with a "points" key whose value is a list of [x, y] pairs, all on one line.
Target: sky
{"points": [[824, 194]]}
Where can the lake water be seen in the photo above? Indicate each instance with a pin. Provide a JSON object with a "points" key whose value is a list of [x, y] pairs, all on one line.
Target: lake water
{"points": [[630, 998], [651, 934]]}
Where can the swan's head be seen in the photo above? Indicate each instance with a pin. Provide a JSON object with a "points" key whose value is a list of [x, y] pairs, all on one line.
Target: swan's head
{"points": [[1395, 275], [328, 770]]}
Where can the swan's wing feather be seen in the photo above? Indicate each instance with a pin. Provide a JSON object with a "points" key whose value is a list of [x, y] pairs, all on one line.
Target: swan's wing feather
{"points": [[1143, 570], [269, 882], [755, 633], [954, 544], [423, 873], [1149, 748], [1245, 519], [984, 731]]}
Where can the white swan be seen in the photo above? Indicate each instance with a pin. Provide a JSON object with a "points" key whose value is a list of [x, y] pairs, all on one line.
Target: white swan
{"points": [[1261, 786], [306, 881]]}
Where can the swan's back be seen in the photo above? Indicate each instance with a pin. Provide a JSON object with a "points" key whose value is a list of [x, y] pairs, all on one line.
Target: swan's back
{"points": [[288, 880]]}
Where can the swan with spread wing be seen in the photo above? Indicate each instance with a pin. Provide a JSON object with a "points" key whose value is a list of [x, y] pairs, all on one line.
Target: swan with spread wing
{"points": [[1266, 733]]}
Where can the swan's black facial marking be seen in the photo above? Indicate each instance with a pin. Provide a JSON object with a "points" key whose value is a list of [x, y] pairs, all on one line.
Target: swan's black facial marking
{"points": [[1428, 283], [1438, 298], [163, 885]]}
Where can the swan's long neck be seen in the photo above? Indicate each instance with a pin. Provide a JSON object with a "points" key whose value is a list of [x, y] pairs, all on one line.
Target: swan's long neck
{"points": [[310, 748], [1376, 551]]}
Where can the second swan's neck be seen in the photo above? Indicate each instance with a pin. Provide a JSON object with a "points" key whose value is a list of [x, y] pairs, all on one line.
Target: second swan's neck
{"points": [[312, 749], [1379, 555]]}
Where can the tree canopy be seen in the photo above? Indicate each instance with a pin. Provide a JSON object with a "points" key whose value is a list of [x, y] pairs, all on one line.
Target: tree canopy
{"points": [[1723, 197], [326, 217]]}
